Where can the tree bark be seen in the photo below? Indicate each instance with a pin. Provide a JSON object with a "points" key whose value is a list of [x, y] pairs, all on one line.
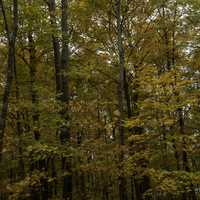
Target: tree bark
{"points": [[11, 38], [56, 47], [33, 89], [121, 70], [64, 98], [121, 58], [127, 95], [61, 63]]}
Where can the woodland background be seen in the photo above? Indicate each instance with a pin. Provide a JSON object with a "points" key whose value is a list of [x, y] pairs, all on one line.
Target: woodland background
{"points": [[99, 99]]}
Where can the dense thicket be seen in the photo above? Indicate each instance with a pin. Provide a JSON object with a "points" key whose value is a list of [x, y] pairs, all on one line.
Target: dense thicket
{"points": [[99, 99]]}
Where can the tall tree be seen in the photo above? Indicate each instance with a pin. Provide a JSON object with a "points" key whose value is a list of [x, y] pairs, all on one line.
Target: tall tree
{"points": [[11, 34]]}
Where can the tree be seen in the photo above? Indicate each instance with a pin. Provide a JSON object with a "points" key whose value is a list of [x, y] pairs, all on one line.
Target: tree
{"points": [[11, 34]]}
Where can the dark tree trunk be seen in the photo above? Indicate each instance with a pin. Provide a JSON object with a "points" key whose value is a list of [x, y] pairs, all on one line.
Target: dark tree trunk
{"points": [[121, 58], [61, 63], [19, 129], [127, 95], [56, 47], [11, 37], [33, 89], [64, 98]]}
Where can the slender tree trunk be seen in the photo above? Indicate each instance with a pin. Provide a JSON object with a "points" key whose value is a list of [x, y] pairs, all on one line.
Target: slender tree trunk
{"points": [[122, 180], [11, 37], [19, 129], [61, 63], [56, 47], [127, 95], [121, 70], [64, 98], [33, 89]]}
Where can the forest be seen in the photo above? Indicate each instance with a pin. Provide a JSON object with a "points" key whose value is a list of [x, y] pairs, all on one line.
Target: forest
{"points": [[99, 99]]}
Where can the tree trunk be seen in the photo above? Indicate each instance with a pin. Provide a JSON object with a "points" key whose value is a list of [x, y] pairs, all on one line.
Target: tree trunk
{"points": [[11, 38], [121, 58], [121, 70], [56, 47], [33, 89], [61, 63], [127, 95], [64, 98]]}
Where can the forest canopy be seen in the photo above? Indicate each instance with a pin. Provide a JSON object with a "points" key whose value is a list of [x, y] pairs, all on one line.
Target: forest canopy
{"points": [[99, 99]]}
